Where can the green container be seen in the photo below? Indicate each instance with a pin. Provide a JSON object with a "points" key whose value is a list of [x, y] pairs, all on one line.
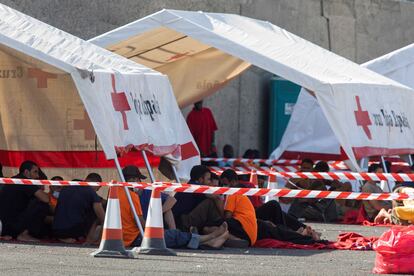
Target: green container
{"points": [[283, 96]]}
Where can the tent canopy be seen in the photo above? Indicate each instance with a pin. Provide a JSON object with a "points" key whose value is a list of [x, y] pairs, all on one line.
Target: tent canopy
{"points": [[308, 134], [183, 44], [50, 77]]}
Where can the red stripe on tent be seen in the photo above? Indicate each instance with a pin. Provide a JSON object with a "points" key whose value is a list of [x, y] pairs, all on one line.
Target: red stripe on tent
{"points": [[361, 152], [111, 234], [188, 150], [72, 159]]}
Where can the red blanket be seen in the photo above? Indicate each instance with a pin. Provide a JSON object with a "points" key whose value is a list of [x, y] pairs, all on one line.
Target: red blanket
{"points": [[345, 241]]}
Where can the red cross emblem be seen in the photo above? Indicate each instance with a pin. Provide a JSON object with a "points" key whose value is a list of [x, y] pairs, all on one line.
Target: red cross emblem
{"points": [[41, 76], [362, 118], [120, 102], [85, 125], [177, 56]]}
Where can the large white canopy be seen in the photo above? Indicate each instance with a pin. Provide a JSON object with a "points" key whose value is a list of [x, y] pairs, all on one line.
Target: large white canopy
{"points": [[308, 133], [52, 77], [194, 48]]}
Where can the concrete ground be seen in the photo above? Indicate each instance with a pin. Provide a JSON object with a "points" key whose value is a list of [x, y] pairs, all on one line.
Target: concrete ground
{"points": [[57, 259]]}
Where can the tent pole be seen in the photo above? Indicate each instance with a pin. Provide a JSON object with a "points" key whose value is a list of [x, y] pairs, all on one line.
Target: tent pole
{"points": [[131, 204], [386, 171], [410, 160], [147, 164], [177, 179]]}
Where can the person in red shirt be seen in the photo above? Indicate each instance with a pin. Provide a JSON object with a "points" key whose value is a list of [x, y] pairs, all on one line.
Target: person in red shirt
{"points": [[202, 126]]}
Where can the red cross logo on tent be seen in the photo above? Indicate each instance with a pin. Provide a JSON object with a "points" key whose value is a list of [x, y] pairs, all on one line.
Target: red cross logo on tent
{"points": [[120, 102], [85, 125], [362, 118], [41, 76]]}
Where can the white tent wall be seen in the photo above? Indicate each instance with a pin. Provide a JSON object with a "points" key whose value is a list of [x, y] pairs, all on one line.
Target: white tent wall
{"points": [[346, 27], [128, 105], [308, 132]]}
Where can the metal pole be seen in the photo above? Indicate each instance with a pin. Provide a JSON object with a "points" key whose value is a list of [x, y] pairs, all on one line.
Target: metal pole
{"points": [[121, 176], [410, 160], [177, 179], [386, 171], [147, 164]]}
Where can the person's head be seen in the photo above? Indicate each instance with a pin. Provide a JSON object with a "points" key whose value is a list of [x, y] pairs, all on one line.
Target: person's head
{"points": [[215, 180], [94, 177], [306, 165], [228, 151], [29, 169], [198, 105], [132, 174], [248, 154], [255, 154], [375, 168], [56, 189], [321, 166], [229, 178], [200, 174]]}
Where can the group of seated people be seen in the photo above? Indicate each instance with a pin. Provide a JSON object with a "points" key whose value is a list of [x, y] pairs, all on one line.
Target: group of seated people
{"points": [[76, 213]]}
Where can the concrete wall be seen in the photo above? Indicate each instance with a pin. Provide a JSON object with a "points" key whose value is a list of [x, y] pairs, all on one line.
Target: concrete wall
{"points": [[357, 29]]}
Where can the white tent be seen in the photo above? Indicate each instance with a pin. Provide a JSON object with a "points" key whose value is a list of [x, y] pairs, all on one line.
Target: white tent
{"points": [[50, 77], [308, 133], [192, 47]]}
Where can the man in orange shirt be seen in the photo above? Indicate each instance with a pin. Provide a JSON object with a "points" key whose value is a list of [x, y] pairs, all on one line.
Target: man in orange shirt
{"points": [[173, 238], [239, 213]]}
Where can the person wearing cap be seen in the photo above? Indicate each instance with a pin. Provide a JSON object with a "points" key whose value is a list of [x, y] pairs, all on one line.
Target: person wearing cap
{"points": [[173, 237], [132, 172]]}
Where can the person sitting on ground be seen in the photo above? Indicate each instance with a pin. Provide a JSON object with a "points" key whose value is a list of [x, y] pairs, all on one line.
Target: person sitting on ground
{"points": [[173, 237], [373, 207], [228, 152], [239, 212], [54, 192], [78, 212], [198, 210], [132, 172], [316, 209], [23, 208], [306, 165], [402, 212]]}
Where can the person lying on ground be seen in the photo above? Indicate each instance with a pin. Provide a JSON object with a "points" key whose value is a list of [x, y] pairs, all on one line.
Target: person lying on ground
{"points": [[173, 237], [198, 210], [373, 207], [79, 212], [23, 208]]}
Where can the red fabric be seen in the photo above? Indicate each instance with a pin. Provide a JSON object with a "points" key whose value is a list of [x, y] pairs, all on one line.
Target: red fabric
{"points": [[395, 251], [255, 200], [202, 126], [368, 223], [355, 216], [345, 241]]}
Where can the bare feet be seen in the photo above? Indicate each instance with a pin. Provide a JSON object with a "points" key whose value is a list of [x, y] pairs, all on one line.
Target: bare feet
{"points": [[26, 237], [68, 240], [218, 241]]}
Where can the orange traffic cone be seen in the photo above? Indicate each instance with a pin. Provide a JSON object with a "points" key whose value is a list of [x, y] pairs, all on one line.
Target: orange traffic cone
{"points": [[253, 178], [153, 242], [112, 245], [272, 184]]}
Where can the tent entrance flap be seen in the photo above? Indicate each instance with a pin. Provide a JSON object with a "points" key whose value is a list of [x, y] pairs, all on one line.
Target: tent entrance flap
{"points": [[195, 70]]}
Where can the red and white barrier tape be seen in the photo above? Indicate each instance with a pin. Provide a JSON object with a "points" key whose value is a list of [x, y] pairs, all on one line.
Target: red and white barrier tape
{"points": [[188, 188]]}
